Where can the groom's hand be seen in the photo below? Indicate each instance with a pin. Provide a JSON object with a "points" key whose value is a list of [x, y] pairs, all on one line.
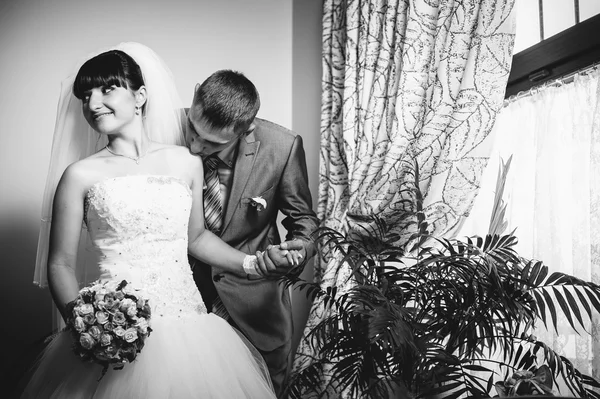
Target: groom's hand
{"points": [[275, 262]]}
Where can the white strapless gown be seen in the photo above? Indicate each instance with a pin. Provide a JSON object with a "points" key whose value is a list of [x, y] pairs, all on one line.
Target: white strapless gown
{"points": [[139, 226]]}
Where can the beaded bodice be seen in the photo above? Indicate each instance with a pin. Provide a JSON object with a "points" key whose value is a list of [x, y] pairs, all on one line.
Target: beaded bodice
{"points": [[139, 226]]}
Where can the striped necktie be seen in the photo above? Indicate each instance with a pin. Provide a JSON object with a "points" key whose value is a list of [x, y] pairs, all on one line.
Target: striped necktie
{"points": [[213, 207]]}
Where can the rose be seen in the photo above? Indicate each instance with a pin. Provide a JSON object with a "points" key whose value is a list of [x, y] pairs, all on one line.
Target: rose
{"points": [[119, 331], [142, 325], [79, 324], [126, 304], [85, 309], [89, 319], [95, 332], [106, 339], [118, 318], [132, 311], [101, 294], [74, 307], [101, 317], [109, 327], [130, 335], [87, 341], [109, 302], [141, 302]]}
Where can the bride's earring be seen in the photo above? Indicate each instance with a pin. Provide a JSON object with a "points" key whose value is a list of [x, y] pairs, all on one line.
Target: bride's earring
{"points": [[137, 110]]}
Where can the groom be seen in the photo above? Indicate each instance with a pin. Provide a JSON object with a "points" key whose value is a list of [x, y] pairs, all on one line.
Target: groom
{"points": [[253, 169]]}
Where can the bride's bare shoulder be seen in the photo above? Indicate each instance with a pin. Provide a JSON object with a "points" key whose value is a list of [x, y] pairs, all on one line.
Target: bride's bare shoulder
{"points": [[82, 174]]}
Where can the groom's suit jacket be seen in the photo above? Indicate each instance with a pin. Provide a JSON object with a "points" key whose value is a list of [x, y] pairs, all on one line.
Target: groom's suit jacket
{"points": [[270, 164]]}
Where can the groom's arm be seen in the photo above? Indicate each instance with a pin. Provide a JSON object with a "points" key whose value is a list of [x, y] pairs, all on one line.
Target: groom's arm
{"points": [[295, 202]]}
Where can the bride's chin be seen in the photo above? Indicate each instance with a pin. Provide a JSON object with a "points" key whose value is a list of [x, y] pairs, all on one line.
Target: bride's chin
{"points": [[104, 131], [100, 131]]}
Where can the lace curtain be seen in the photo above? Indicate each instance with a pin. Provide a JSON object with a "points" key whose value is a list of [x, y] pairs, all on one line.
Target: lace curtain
{"points": [[406, 80], [553, 193]]}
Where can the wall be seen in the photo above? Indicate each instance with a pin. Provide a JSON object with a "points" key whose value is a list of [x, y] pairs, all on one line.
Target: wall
{"points": [[40, 43], [306, 116]]}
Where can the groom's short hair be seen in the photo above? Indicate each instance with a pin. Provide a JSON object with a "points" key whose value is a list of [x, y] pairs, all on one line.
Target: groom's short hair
{"points": [[228, 99]]}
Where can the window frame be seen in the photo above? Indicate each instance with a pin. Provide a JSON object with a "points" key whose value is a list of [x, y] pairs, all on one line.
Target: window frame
{"points": [[573, 49]]}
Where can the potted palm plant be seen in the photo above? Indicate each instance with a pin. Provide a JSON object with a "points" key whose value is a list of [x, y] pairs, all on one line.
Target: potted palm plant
{"points": [[437, 318]]}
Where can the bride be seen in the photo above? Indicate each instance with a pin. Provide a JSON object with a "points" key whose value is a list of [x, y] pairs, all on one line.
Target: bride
{"points": [[140, 198]]}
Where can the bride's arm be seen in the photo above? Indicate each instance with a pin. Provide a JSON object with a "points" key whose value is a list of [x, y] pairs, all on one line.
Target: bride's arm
{"points": [[202, 243], [67, 214]]}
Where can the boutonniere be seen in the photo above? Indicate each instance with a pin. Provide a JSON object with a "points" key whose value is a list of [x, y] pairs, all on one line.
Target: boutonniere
{"points": [[259, 203]]}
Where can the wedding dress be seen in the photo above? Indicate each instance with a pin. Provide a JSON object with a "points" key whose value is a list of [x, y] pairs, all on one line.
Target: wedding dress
{"points": [[138, 225]]}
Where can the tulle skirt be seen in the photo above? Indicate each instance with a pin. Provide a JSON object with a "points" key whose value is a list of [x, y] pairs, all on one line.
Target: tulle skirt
{"points": [[193, 357]]}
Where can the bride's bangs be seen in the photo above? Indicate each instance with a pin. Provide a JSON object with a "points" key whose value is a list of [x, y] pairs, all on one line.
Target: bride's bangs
{"points": [[101, 71]]}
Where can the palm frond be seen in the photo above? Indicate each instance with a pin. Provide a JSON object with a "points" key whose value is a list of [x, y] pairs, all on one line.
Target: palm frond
{"points": [[498, 221], [424, 314]]}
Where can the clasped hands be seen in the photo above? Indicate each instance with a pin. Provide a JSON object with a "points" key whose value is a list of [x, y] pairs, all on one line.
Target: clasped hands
{"points": [[278, 260]]}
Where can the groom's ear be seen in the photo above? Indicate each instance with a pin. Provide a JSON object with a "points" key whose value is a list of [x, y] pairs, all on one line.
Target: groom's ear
{"points": [[194, 97]]}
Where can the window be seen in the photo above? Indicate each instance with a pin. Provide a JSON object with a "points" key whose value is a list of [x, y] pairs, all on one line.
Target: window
{"points": [[554, 38]]}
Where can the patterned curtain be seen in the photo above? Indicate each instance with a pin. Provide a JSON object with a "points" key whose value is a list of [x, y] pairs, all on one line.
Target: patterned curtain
{"points": [[406, 80]]}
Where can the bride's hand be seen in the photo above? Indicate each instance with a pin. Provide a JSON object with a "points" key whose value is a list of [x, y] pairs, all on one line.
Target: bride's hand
{"points": [[296, 250], [275, 262]]}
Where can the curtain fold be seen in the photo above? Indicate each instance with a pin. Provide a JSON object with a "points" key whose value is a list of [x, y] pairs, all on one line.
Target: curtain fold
{"points": [[405, 81]]}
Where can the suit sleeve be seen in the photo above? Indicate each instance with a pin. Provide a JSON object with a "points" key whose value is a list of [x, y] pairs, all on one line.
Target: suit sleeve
{"points": [[294, 197]]}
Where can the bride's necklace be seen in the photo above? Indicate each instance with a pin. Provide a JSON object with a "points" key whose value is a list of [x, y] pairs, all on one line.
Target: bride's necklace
{"points": [[135, 159]]}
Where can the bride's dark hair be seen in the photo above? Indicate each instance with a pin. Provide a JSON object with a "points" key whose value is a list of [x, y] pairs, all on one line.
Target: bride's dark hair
{"points": [[113, 67]]}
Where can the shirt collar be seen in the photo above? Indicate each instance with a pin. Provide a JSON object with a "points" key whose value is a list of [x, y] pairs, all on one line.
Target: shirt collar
{"points": [[227, 155]]}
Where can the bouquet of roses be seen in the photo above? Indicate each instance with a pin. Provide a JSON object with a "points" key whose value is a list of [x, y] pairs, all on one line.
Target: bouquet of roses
{"points": [[110, 323]]}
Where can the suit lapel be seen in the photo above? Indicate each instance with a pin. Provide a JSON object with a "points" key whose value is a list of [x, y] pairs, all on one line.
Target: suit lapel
{"points": [[244, 163]]}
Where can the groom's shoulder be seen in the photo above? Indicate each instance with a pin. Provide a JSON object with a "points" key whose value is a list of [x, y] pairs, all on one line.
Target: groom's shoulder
{"points": [[266, 129], [181, 156], [176, 151], [170, 148]]}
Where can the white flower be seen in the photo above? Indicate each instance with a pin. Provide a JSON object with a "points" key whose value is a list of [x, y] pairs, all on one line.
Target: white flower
{"points": [[101, 317], [259, 203], [79, 324], [86, 341], [126, 304], [105, 339], [100, 294], [132, 311], [119, 331], [130, 335], [86, 308], [142, 325]]}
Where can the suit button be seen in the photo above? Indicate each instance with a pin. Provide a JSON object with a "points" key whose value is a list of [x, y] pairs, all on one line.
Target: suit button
{"points": [[217, 277]]}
